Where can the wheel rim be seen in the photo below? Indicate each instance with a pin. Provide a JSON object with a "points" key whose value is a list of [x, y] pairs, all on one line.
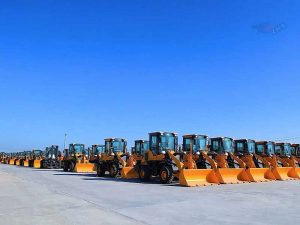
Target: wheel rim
{"points": [[112, 170], [164, 175]]}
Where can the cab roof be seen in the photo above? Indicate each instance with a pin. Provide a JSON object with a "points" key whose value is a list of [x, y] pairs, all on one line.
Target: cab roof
{"points": [[194, 135], [163, 133]]}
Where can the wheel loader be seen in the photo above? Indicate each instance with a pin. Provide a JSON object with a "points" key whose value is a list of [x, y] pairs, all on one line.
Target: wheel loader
{"points": [[231, 169], [76, 159], [133, 161], [25, 159], [266, 152], [165, 161], [18, 157], [51, 158], [198, 168], [245, 149], [95, 151], [285, 162], [295, 151], [111, 160], [3, 157], [94, 154], [36, 159]]}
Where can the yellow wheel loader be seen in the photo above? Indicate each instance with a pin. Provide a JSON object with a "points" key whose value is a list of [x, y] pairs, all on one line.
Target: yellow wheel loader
{"points": [[198, 168], [295, 152], [94, 154], [286, 165], [231, 169], [25, 159], [245, 149], [76, 159], [12, 158], [19, 159], [95, 151], [111, 160], [161, 159], [37, 156], [164, 161], [133, 161]]}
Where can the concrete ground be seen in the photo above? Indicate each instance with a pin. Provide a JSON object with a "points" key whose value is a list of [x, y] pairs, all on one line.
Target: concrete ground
{"points": [[31, 196]]}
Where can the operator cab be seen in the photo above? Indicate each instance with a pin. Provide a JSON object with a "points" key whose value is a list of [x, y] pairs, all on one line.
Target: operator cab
{"points": [[221, 145], [37, 153], [244, 147], [140, 147], [283, 149], [195, 143], [97, 150], [161, 142], [265, 148], [27, 153], [76, 149], [295, 150], [115, 145]]}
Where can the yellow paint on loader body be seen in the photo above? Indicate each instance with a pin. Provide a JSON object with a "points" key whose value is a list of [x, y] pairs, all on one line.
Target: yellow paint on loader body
{"points": [[26, 162], [37, 163], [233, 175], [285, 173], [129, 173], [198, 177], [84, 167], [261, 174]]}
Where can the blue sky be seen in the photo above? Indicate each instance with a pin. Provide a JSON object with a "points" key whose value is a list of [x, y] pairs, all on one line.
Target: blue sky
{"points": [[96, 69]]}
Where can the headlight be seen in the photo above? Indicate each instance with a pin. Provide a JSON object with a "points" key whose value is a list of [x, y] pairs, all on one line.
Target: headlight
{"points": [[112, 154], [163, 152], [198, 153], [226, 153]]}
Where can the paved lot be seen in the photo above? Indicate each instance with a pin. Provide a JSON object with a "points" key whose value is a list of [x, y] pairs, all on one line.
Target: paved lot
{"points": [[30, 196]]}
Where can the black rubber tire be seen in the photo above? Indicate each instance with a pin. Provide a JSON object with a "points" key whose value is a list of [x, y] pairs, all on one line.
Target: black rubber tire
{"points": [[66, 166], [100, 170], [72, 166], [113, 170], [144, 173], [166, 175]]}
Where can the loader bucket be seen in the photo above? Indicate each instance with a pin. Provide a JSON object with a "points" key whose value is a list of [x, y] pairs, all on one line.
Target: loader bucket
{"points": [[233, 175], [11, 162], [297, 170], [37, 163], [261, 174], [26, 163], [84, 167], [198, 177], [129, 173], [285, 173]]}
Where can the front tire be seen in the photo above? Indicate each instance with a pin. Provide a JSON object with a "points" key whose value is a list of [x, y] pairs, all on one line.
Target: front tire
{"points": [[100, 171], [166, 175], [113, 170], [72, 166], [144, 173]]}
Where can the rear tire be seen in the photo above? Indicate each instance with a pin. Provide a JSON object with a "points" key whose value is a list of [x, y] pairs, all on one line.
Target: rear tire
{"points": [[113, 170], [166, 175], [100, 171], [144, 173]]}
